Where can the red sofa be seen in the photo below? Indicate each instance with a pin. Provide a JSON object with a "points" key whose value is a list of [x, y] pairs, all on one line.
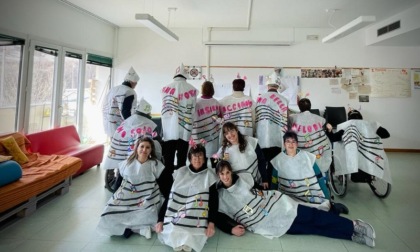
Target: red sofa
{"points": [[42, 176], [65, 141]]}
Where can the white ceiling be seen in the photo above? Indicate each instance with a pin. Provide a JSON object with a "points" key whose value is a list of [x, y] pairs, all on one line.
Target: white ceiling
{"points": [[234, 13]]}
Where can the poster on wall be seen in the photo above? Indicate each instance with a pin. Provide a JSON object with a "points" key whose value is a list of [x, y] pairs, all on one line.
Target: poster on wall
{"points": [[393, 82], [416, 79], [321, 73]]}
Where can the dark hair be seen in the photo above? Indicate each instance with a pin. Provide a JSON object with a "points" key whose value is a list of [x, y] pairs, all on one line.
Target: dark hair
{"points": [[207, 88], [304, 104], [241, 139], [199, 148], [223, 164], [354, 114], [134, 155], [290, 134], [238, 85]]}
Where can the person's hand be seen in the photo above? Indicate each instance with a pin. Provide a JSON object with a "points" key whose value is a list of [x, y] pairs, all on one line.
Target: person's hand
{"points": [[210, 229], [265, 185], [238, 230], [159, 227], [329, 127], [226, 156]]}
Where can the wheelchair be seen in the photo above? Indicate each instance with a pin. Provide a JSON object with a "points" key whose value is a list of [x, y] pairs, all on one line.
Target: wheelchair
{"points": [[339, 183]]}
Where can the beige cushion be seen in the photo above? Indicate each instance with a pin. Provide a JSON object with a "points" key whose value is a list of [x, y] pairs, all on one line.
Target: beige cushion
{"points": [[9, 143]]}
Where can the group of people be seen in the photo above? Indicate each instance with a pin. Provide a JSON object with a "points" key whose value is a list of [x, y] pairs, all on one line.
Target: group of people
{"points": [[266, 172]]}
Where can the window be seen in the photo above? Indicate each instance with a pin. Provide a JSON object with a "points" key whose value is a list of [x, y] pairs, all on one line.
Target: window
{"points": [[98, 76], [44, 65], [11, 50]]}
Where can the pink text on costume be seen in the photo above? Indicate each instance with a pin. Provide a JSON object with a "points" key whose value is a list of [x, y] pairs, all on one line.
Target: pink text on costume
{"points": [[279, 102], [307, 128], [187, 95], [168, 90], [236, 106], [145, 130], [207, 110]]}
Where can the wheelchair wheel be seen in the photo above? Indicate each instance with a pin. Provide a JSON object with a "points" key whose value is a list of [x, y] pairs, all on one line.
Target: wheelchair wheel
{"points": [[110, 180], [380, 187], [338, 184]]}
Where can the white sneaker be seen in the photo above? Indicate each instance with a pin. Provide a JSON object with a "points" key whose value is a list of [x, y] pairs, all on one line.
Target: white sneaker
{"points": [[364, 228], [186, 248], [177, 249], [363, 239], [148, 233]]}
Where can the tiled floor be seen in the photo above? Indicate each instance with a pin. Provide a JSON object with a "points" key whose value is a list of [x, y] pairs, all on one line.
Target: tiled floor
{"points": [[68, 222]]}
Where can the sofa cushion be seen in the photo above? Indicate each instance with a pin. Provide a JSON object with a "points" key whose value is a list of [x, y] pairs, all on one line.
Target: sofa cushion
{"points": [[20, 139], [10, 171], [9, 143], [5, 158]]}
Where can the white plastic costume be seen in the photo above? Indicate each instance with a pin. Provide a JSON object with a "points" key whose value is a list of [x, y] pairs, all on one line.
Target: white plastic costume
{"points": [[135, 205], [178, 107], [239, 111], [245, 162], [125, 138], [113, 102], [207, 124], [312, 137], [271, 119], [296, 178], [269, 213], [127, 134], [186, 216], [361, 148]]}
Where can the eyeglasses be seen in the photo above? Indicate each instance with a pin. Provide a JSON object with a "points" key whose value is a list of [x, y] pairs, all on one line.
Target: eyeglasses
{"points": [[290, 142]]}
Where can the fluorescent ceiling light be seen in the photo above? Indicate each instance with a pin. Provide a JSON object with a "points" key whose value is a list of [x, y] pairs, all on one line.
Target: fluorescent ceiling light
{"points": [[154, 25], [248, 43], [349, 28]]}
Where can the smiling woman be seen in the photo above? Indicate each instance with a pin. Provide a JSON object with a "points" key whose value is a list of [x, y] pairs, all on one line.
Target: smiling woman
{"points": [[244, 206]]}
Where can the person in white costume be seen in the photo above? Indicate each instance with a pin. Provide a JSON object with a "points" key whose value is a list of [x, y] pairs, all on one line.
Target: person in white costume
{"points": [[207, 119], [178, 106], [120, 103], [134, 207], [244, 154], [299, 176], [361, 151], [239, 108], [244, 206], [192, 207], [271, 113], [122, 144], [310, 130]]}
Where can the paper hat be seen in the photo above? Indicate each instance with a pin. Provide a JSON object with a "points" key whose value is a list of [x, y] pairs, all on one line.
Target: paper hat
{"points": [[273, 79], [144, 106], [182, 70], [132, 75]]}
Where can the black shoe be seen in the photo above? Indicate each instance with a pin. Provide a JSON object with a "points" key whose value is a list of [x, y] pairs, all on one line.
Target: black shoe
{"points": [[127, 233], [341, 208]]}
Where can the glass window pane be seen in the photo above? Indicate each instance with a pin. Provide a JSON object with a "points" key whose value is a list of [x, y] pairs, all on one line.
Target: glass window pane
{"points": [[10, 64], [96, 87], [42, 90], [70, 90]]}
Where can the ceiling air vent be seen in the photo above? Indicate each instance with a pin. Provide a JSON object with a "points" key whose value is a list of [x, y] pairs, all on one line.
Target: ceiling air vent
{"points": [[389, 28]]}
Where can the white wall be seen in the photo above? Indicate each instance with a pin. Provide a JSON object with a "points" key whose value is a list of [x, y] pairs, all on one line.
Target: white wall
{"points": [[156, 59], [55, 22]]}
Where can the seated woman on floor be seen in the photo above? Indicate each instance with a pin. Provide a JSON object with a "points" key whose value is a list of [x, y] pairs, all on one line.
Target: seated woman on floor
{"points": [[243, 206]]}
